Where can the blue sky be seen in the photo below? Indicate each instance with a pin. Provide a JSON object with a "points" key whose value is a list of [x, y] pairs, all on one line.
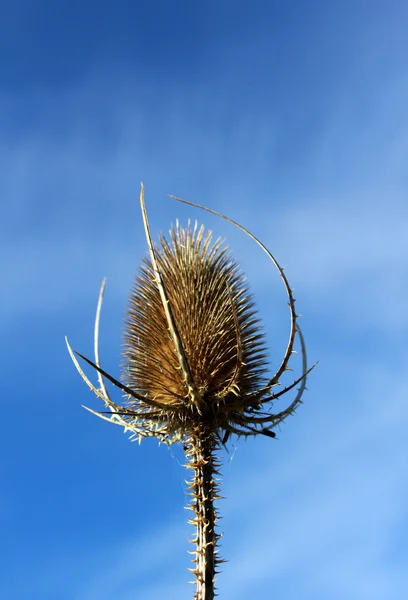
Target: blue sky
{"points": [[291, 118]]}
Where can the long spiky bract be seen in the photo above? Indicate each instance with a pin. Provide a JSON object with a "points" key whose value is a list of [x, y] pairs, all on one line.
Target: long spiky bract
{"points": [[195, 364]]}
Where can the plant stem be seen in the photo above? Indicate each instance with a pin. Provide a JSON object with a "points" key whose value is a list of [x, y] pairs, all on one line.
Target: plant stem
{"points": [[200, 451]]}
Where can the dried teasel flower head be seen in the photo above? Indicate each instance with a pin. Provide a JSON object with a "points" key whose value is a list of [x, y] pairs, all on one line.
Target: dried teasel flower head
{"points": [[195, 365], [194, 351], [217, 355]]}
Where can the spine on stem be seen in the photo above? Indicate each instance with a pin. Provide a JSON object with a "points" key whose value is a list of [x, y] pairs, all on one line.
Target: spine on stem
{"points": [[200, 451]]}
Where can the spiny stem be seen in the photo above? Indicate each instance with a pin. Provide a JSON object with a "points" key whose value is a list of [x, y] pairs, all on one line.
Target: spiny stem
{"points": [[200, 450]]}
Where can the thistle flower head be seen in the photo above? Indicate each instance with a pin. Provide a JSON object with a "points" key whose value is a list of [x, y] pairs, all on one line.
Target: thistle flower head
{"points": [[194, 351], [217, 326], [194, 367]]}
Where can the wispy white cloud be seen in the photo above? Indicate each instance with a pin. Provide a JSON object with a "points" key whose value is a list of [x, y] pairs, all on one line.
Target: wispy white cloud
{"points": [[334, 250], [138, 568], [68, 196], [345, 258]]}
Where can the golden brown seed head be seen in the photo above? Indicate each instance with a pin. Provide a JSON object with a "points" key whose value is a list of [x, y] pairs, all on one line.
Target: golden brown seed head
{"points": [[194, 364], [195, 356], [215, 319]]}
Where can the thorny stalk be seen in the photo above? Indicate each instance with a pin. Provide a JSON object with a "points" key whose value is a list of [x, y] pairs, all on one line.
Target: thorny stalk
{"points": [[200, 451]]}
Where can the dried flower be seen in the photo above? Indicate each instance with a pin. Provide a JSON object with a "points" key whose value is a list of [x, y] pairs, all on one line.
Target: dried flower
{"points": [[195, 365]]}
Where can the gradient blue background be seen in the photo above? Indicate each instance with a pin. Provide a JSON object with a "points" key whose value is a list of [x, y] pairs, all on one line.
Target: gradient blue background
{"points": [[290, 117]]}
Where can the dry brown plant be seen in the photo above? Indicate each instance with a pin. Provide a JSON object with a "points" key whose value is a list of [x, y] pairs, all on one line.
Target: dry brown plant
{"points": [[195, 366]]}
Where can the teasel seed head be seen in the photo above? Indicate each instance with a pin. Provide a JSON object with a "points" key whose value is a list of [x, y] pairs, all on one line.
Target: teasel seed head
{"points": [[194, 349], [218, 329], [194, 366]]}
